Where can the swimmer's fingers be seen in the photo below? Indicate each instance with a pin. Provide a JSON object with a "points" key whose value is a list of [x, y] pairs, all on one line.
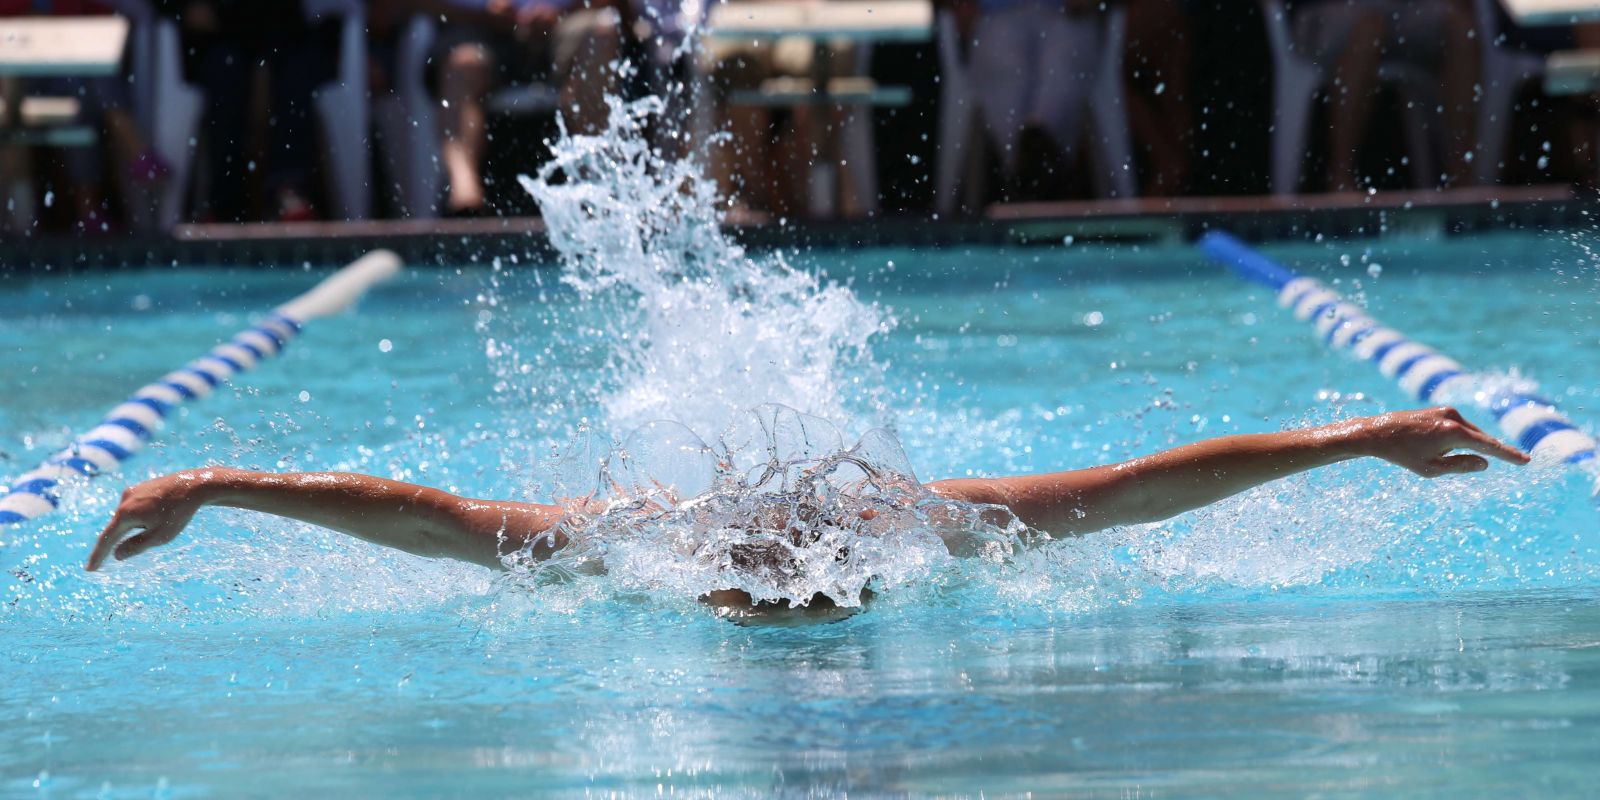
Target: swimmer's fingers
{"points": [[1470, 438], [1455, 416], [138, 543], [122, 523], [1453, 465]]}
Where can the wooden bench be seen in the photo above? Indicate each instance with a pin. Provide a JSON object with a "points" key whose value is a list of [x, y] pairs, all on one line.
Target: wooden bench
{"points": [[35, 47], [858, 20], [62, 46], [46, 121], [1552, 12], [1572, 72], [787, 92], [826, 24]]}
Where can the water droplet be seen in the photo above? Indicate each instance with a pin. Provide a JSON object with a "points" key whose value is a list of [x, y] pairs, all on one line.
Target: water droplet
{"points": [[1375, 269], [305, 396], [384, 345], [1161, 88]]}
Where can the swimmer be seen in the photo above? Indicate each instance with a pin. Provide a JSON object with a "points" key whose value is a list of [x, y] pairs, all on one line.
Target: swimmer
{"points": [[435, 524]]}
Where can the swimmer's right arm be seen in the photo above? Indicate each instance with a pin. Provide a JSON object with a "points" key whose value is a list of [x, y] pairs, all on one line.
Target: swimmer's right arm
{"points": [[417, 519], [1166, 484]]}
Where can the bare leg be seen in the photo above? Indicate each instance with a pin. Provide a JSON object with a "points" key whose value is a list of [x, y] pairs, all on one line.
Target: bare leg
{"points": [[16, 182], [740, 160], [796, 149], [1459, 79], [1354, 79], [463, 81], [1158, 95]]}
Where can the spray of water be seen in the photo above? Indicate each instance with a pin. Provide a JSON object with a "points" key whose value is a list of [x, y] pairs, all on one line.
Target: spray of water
{"points": [[702, 330]]}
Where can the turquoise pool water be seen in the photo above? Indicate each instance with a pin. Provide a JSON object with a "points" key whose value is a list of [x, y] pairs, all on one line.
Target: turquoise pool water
{"points": [[1353, 632]]}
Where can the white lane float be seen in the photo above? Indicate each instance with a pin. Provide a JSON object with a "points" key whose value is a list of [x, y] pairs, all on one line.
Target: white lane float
{"points": [[129, 426]]}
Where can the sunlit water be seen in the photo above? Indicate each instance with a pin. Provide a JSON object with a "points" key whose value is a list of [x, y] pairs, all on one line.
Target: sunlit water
{"points": [[1356, 631]]}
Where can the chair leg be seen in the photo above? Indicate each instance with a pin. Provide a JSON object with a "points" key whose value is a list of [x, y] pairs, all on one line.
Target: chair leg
{"points": [[975, 166], [955, 126], [1419, 145], [173, 129], [1110, 112], [343, 109], [1494, 127], [1294, 91], [861, 165]]}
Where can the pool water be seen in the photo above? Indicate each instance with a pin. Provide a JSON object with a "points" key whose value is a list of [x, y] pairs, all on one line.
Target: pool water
{"points": [[1356, 631]]}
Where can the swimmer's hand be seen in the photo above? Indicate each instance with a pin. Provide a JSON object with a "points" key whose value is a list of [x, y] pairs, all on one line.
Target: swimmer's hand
{"points": [[417, 519], [158, 509], [1425, 441]]}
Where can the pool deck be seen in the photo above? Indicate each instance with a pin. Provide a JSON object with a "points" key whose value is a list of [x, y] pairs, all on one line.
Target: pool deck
{"points": [[1142, 220]]}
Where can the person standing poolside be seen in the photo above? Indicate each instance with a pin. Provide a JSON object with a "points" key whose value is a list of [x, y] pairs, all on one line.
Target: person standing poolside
{"points": [[487, 45], [435, 524], [1351, 39]]}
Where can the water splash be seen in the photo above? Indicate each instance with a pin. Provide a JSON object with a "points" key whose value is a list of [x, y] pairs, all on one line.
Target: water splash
{"points": [[701, 329], [776, 507]]}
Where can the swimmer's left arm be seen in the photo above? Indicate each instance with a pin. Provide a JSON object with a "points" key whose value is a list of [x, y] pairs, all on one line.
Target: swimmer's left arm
{"points": [[1163, 485], [417, 519]]}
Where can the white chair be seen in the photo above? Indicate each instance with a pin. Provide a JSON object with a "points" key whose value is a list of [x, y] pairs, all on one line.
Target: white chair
{"points": [[1295, 81], [960, 104], [341, 106], [1504, 72]]}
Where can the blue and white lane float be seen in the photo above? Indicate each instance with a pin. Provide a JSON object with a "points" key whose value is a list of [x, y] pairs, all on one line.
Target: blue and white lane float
{"points": [[126, 429], [1533, 422]]}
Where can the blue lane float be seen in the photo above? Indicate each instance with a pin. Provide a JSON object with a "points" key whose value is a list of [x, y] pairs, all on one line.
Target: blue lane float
{"points": [[1534, 423], [127, 428]]}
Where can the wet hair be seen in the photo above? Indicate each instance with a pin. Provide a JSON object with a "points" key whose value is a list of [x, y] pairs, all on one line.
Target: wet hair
{"points": [[785, 523]]}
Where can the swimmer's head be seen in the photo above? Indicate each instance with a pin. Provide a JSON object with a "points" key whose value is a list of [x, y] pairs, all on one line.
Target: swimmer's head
{"points": [[780, 525]]}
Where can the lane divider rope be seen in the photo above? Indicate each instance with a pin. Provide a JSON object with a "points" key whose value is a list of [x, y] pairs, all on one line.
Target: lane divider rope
{"points": [[127, 428], [1532, 422]]}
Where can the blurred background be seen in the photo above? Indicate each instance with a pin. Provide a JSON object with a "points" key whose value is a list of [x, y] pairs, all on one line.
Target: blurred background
{"points": [[138, 117]]}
